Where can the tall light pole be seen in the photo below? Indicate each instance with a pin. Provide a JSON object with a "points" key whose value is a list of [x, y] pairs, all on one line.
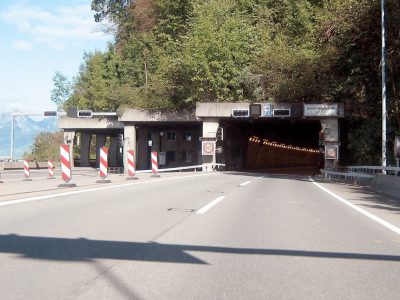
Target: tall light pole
{"points": [[383, 54], [12, 138]]}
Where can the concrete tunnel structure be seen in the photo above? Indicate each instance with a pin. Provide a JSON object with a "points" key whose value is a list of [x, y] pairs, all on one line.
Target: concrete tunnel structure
{"points": [[178, 136]]}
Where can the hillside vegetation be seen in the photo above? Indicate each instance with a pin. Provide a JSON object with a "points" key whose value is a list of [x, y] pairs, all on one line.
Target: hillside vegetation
{"points": [[169, 54]]}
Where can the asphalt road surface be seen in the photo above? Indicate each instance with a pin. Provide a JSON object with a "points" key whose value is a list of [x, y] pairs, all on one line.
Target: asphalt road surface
{"points": [[198, 236]]}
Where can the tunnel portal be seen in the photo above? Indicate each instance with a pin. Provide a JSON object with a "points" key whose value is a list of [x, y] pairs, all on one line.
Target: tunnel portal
{"points": [[275, 145]]}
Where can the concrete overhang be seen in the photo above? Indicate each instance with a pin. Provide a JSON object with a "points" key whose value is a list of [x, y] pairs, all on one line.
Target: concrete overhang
{"points": [[297, 110], [90, 123], [145, 116]]}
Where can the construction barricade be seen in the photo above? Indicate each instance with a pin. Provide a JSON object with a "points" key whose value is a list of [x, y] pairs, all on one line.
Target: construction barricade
{"points": [[27, 172], [131, 165], [154, 164], [65, 159]]}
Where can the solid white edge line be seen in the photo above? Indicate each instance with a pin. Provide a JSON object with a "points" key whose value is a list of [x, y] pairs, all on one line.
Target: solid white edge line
{"points": [[360, 210], [245, 183], [206, 207], [44, 197]]}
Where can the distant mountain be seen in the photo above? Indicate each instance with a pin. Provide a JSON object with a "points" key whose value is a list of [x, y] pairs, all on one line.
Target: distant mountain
{"points": [[25, 131]]}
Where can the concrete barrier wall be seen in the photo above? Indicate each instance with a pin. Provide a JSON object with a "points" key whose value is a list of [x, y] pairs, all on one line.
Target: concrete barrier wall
{"points": [[387, 184], [5, 165]]}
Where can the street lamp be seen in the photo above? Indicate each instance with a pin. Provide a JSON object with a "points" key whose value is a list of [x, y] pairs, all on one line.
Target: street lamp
{"points": [[383, 57]]}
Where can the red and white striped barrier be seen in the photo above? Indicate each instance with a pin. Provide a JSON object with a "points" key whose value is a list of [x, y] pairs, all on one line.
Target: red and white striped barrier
{"points": [[27, 172], [103, 162], [50, 167], [65, 159], [154, 164], [131, 163]]}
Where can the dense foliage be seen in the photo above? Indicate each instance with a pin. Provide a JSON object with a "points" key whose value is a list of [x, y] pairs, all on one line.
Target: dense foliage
{"points": [[46, 146], [170, 54]]}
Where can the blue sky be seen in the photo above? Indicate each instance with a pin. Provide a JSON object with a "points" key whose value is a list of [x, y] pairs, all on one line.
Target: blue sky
{"points": [[37, 38]]}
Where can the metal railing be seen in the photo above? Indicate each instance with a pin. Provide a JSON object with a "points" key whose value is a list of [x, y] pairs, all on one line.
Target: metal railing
{"points": [[203, 167], [374, 170], [345, 175]]}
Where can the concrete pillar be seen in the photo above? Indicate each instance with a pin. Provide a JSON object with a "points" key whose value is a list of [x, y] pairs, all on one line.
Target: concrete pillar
{"points": [[113, 152], [86, 138], [100, 142], [129, 143], [69, 136], [210, 127], [155, 138], [330, 127]]}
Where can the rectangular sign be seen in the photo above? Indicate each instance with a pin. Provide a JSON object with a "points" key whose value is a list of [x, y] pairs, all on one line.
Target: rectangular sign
{"points": [[267, 110], [321, 110], [240, 113]]}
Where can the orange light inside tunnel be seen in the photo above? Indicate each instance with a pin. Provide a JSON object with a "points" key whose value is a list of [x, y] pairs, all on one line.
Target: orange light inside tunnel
{"points": [[265, 142]]}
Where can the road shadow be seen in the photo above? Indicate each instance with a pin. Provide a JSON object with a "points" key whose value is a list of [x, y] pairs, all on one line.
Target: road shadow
{"points": [[65, 249]]}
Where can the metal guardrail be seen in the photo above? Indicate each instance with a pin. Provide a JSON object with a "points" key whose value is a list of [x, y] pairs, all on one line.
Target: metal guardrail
{"points": [[206, 167], [345, 175], [374, 169], [211, 167]]}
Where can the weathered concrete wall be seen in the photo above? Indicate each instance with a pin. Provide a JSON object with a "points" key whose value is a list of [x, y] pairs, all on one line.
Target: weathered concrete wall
{"points": [[129, 144], [218, 109], [137, 115], [387, 184], [20, 165], [90, 123]]}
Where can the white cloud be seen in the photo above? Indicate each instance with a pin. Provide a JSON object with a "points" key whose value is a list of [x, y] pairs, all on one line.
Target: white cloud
{"points": [[57, 28], [22, 45]]}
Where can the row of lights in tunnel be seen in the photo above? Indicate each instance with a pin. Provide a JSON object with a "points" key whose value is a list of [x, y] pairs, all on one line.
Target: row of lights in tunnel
{"points": [[255, 139]]}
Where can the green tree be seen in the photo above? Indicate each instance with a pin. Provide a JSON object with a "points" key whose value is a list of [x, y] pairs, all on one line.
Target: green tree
{"points": [[62, 89], [46, 146]]}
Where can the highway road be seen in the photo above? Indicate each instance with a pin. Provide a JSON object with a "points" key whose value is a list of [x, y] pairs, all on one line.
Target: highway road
{"points": [[198, 236]]}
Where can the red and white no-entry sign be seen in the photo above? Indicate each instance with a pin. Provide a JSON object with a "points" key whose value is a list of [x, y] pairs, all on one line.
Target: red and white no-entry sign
{"points": [[131, 163], [154, 163], [26, 169], [103, 162], [65, 159]]}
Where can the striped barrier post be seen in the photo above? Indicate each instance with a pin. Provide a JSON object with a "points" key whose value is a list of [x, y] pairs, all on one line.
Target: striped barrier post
{"points": [[50, 167], [103, 165], [103, 162], [154, 164], [27, 172], [65, 159], [131, 165]]}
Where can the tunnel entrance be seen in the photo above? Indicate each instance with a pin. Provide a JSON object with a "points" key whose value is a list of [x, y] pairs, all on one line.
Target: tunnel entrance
{"points": [[275, 145]]}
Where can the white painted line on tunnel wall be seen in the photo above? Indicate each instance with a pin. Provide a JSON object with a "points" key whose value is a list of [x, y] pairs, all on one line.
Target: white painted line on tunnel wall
{"points": [[245, 183], [209, 205], [360, 210], [58, 195]]}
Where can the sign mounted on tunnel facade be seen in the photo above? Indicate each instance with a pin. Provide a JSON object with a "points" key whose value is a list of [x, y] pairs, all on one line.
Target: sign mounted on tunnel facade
{"points": [[331, 152], [207, 148], [321, 110]]}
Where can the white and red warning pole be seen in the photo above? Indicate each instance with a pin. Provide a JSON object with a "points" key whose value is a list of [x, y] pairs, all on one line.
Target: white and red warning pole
{"points": [[65, 159], [27, 172], [50, 167], [103, 162], [131, 164], [154, 164]]}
